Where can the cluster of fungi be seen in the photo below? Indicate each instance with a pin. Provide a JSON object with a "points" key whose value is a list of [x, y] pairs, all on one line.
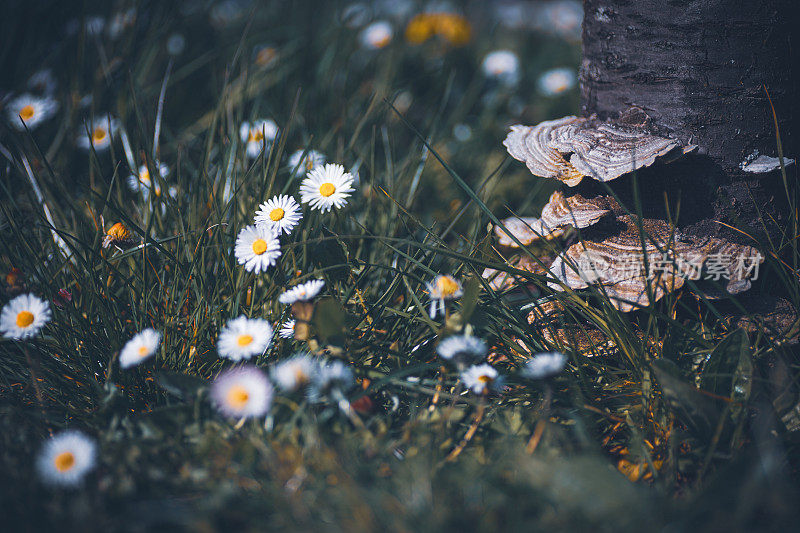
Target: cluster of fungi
{"points": [[618, 250]]}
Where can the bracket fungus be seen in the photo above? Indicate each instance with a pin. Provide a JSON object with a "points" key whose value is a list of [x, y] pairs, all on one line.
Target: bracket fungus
{"points": [[526, 230], [531, 145], [574, 210], [572, 148], [500, 280], [635, 268]]}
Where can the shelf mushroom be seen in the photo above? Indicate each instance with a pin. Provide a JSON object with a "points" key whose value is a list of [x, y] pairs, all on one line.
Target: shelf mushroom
{"points": [[573, 210], [572, 148]]}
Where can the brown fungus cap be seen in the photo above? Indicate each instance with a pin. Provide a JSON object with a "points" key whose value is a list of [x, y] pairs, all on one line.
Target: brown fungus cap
{"points": [[531, 145], [574, 210], [526, 230], [571, 148]]}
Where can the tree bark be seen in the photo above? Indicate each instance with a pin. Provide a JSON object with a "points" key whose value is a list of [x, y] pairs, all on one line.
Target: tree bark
{"points": [[699, 69]]}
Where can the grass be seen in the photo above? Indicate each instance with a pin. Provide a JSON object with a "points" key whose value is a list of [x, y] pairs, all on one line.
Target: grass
{"points": [[685, 422]]}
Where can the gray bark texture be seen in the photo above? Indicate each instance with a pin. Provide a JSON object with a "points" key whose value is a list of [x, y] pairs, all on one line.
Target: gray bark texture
{"points": [[699, 69]]}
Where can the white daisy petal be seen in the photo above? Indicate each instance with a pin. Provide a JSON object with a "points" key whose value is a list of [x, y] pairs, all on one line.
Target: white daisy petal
{"points": [[141, 347], [100, 131], [142, 182], [287, 330], [326, 187], [243, 337], [242, 392], [377, 35], [66, 458], [462, 348], [257, 248], [442, 288], [544, 365], [295, 372], [312, 160], [481, 379], [302, 293], [279, 214], [30, 110], [24, 317], [502, 65], [257, 134]]}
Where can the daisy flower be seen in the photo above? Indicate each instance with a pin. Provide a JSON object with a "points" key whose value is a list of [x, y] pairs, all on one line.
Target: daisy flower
{"points": [[24, 316], [377, 35], [66, 458], [142, 182], [556, 81], [257, 134], [312, 160], [142, 346], [502, 65], [287, 329], [257, 248], [295, 372], [242, 392], [544, 365], [462, 349], [481, 379], [279, 214], [302, 293], [243, 337], [326, 187], [100, 131], [442, 288], [29, 111]]}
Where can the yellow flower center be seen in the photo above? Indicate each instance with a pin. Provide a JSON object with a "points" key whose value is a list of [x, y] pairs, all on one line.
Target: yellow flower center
{"points": [[447, 286], [259, 246], [98, 135], [256, 136], [300, 376], [143, 351], [144, 175], [27, 112], [244, 340], [327, 189], [64, 461], [310, 164], [485, 379], [276, 214], [24, 319], [237, 397]]}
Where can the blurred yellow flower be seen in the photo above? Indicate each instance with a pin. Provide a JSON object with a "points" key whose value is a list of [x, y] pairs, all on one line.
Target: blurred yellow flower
{"points": [[453, 28]]}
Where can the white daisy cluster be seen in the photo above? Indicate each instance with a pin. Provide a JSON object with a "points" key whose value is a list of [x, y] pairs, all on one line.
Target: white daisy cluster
{"points": [[303, 292], [246, 391], [325, 186]]}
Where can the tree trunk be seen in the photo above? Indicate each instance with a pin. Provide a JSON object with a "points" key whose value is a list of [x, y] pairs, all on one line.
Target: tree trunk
{"points": [[699, 69]]}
